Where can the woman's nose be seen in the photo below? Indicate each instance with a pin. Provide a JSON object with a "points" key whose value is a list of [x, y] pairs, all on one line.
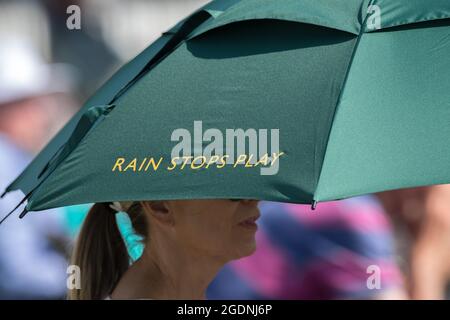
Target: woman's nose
{"points": [[252, 202]]}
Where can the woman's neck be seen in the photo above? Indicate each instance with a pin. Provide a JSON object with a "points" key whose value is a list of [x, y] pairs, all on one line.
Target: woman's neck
{"points": [[166, 271]]}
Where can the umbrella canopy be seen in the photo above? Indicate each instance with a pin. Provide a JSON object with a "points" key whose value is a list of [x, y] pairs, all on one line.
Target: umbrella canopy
{"points": [[287, 100]]}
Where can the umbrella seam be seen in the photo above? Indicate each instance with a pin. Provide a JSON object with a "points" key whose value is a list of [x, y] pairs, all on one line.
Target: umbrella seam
{"points": [[165, 51], [355, 49]]}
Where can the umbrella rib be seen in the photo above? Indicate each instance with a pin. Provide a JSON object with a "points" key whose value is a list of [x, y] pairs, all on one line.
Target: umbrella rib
{"points": [[338, 101]]}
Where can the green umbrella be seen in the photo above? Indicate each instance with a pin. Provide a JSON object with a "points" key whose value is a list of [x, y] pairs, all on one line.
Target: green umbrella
{"points": [[287, 100]]}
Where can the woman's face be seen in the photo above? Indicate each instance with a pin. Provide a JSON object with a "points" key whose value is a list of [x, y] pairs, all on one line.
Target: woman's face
{"points": [[221, 228]]}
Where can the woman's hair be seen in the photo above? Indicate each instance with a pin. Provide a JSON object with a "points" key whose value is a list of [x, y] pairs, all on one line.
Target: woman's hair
{"points": [[100, 251]]}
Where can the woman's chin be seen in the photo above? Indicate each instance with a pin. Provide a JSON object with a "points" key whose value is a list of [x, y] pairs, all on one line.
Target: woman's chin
{"points": [[246, 250]]}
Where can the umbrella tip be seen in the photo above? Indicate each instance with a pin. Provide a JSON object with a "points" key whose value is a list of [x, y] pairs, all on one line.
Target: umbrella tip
{"points": [[23, 214], [4, 193], [314, 205], [15, 208]]}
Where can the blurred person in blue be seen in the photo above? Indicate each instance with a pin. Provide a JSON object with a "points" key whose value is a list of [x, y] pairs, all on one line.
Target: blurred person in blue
{"points": [[32, 108], [333, 252]]}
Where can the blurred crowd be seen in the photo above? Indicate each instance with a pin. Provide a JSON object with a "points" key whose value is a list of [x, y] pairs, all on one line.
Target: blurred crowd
{"points": [[47, 71]]}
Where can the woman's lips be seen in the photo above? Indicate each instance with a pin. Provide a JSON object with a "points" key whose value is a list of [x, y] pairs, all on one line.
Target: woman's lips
{"points": [[250, 223]]}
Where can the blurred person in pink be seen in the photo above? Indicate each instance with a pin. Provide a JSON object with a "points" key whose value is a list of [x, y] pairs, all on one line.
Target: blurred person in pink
{"points": [[422, 219]]}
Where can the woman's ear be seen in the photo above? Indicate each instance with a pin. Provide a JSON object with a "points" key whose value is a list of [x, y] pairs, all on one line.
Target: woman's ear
{"points": [[159, 211]]}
